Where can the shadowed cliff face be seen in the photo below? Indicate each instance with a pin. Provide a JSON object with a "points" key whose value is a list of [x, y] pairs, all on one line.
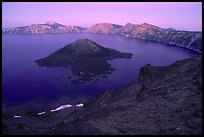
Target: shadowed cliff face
{"points": [[164, 100]]}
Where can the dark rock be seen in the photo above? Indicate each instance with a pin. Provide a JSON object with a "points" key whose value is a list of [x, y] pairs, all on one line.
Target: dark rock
{"points": [[20, 126], [5, 127], [104, 76], [76, 81], [31, 111], [96, 80]]}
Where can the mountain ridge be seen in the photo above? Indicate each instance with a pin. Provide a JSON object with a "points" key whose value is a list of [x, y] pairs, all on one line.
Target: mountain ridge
{"points": [[187, 39]]}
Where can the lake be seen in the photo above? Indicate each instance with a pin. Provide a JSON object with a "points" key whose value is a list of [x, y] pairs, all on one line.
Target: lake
{"points": [[23, 81]]}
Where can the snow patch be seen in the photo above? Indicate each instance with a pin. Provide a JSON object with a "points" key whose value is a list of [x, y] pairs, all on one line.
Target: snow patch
{"points": [[82, 73], [16, 116], [61, 107], [91, 74], [41, 113], [80, 105]]}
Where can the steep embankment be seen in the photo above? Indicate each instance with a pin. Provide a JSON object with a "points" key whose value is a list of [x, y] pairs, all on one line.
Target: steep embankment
{"points": [[164, 100]]}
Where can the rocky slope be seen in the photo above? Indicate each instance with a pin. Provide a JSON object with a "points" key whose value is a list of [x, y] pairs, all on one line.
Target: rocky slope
{"points": [[86, 58], [163, 101], [127, 29], [187, 39]]}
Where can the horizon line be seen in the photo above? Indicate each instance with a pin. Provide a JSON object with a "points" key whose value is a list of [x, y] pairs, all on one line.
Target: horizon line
{"points": [[100, 23]]}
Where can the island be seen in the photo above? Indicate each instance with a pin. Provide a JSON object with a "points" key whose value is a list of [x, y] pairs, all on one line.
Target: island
{"points": [[86, 58]]}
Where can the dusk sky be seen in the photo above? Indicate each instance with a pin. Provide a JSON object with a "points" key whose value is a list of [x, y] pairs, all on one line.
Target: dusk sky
{"points": [[178, 15]]}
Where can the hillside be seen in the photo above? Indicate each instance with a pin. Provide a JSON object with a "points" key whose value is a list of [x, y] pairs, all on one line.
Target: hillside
{"points": [[163, 101]]}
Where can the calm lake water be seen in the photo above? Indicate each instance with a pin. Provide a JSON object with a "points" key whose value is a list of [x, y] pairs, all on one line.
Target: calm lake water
{"points": [[24, 81]]}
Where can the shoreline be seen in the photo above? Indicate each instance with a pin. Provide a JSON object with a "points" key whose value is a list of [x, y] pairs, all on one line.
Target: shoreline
{"points": [[119, 105], [124, 36]]}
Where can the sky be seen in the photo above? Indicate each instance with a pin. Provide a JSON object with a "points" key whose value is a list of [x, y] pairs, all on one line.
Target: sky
{"points": [[178, 15]]}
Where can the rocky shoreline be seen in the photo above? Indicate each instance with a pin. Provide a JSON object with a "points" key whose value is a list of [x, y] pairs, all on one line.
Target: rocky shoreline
{"points": [[163, 101]]}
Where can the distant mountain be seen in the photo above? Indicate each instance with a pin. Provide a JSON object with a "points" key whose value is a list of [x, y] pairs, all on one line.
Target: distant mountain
{"points": [[85, 57], [49, 27], [187, 39], [104, 28], [127, 29], [54, 24], [171, 29]]}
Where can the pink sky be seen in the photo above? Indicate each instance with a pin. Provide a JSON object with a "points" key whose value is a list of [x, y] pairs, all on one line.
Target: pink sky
{"points": [[179, 15]]}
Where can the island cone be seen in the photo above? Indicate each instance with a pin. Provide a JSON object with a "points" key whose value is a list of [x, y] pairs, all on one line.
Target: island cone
{"points": [[85, 57]]}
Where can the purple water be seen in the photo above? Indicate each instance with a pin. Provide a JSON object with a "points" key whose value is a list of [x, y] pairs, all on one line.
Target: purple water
{"points": [[24, 81]]}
